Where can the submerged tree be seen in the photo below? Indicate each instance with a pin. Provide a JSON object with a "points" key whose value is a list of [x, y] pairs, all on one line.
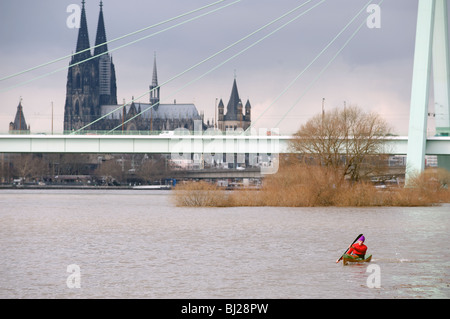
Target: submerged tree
{"points": [[349, 141]]}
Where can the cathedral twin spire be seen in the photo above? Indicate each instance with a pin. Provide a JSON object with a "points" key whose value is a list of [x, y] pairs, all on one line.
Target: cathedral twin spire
{"points": [[83, 45]]}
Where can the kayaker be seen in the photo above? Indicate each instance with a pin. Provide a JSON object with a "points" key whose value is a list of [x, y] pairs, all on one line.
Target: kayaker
{"points": [[358, 249]]}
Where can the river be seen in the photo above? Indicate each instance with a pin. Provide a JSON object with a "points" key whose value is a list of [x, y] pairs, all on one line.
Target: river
{"points": [[138, 244]]}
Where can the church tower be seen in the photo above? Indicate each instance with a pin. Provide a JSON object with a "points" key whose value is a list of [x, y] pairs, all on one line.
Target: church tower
{"points": [[90, 83], [234, 118]]}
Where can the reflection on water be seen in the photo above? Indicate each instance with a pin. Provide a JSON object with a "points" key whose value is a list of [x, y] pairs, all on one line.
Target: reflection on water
{"points": [[137, 244]]}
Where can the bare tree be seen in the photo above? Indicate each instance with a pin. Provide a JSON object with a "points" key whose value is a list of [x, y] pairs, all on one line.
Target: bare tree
{"points": [[29, 166], [348, 140], [113, 169], [152, 169]]}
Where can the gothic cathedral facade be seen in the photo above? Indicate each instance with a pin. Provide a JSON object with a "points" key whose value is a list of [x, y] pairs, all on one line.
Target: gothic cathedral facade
{"points": [[91, 79]]}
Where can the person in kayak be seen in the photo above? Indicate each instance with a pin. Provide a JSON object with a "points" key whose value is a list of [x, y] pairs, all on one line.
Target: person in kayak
{"points": [[358, 249]]}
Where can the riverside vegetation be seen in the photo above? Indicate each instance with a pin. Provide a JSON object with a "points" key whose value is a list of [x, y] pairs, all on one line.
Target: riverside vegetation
{"points": [[336, 153], [306, 186]]}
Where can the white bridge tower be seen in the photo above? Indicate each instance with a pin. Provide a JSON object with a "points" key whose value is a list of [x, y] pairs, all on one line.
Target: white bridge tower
{"points": [[431, 57]]}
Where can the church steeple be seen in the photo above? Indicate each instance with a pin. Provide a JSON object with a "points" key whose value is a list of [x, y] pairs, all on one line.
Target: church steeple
{"points": [[155, 73], [83, 38], [154, 88], [101, 34], [232, 107], [19, 123]]}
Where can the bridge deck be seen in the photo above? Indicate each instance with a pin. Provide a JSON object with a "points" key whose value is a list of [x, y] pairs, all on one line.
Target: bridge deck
{"points": [[183, 144]]}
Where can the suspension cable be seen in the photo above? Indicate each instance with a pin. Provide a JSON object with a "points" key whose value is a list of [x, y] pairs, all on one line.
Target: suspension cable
{"points": [[319, 75], [111, 41], [309, 65]]}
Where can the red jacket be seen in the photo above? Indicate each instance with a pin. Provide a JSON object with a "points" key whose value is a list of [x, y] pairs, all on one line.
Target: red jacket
{"points": [[357, 249]]}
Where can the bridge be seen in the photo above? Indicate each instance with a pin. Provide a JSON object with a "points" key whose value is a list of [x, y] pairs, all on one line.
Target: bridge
{"points": [[185, 144], [182, 145]]}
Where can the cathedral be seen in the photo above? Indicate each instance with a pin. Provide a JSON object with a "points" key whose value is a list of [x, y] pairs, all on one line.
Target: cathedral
{"points": [[91, 93], [92, 83]]}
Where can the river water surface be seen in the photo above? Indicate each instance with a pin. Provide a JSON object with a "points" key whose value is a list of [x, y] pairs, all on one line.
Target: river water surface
{"points": [[138, 244]]}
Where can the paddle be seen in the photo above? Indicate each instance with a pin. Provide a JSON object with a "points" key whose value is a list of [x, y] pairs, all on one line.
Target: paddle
{"points": [[348, 247]]}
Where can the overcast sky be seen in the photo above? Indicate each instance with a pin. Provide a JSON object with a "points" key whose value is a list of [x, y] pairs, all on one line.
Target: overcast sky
{"points": [[374, 71]]}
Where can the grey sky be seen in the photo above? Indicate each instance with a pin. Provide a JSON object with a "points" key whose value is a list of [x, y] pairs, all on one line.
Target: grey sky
{"points": [[374, 71]]}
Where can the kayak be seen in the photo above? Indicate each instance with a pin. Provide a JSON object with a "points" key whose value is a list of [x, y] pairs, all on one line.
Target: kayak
{"points": [[346, 259]]}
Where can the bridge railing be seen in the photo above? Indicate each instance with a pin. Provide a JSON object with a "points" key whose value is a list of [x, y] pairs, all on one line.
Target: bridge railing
{"points": [[209, 131]]}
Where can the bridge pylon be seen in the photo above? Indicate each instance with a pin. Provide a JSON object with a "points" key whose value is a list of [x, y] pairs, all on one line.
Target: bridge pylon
{"points": [[431, 58]]}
